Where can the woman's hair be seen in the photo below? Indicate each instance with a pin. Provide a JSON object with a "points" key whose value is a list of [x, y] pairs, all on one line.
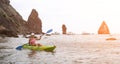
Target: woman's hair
{"points": [[32, 34]]}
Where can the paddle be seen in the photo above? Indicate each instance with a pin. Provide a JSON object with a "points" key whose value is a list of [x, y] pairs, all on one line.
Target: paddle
{"points": [[50, 30], [20, 47]]}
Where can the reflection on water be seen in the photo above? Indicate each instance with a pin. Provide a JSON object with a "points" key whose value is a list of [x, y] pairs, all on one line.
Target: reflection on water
{"points": [[32, 53], [71, 49], [9, 55], [3, 40]]}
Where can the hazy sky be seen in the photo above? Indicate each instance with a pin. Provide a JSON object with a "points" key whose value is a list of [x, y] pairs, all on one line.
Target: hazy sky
{"points": [[78, 15]]}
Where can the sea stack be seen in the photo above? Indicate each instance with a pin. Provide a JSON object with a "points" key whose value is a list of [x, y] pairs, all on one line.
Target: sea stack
{"points": [[34, 23], [64, 29], [103, 29]]}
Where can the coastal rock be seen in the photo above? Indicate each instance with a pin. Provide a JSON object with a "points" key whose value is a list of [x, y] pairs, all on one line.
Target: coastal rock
{"points": [[64, 29], [111, 38], [103, 29], [13, 22], [2, 28], [34, 23], [11, 19], [5, 32]]}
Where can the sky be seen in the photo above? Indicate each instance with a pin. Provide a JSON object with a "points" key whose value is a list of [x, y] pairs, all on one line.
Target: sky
{"points": [[78, 15]]}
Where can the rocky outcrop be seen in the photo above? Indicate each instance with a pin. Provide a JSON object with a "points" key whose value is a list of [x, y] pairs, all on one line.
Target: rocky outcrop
{"points": [[103, 29], [34, 22], [5, 32], [111, 38], [10, 19], [64, 29], [2, 28], [12, 23]]}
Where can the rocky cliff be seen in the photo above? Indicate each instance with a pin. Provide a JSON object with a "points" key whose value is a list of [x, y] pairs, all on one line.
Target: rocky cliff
{"points": [[11, 19], [12, 23], [34, 23]]}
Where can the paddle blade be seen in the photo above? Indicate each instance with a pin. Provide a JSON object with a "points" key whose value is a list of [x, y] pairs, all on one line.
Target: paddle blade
{"points": [[19, 48], [49, 31]]}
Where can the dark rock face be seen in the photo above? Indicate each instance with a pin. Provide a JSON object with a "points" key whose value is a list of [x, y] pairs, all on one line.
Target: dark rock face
{"points": [[6, 32], [34, 23], [10, 19], [12, 23], [103, 29], [64, 29]]}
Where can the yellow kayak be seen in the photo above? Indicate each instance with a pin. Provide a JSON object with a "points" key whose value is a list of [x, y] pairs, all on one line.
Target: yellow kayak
{"points": [[39, 48]]}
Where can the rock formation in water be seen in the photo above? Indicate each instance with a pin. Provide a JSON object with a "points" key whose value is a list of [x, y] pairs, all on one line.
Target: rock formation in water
{"points": [[12, 23], [103, 29], [111, 38], [64, 29], [10, 19], [34, 23]]}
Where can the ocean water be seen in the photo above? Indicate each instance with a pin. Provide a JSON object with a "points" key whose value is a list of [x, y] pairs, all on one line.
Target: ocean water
{"points": [[71, 49]]}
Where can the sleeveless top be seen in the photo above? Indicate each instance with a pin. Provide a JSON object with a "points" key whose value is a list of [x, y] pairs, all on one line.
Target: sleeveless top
{"points": [[32, 41]]}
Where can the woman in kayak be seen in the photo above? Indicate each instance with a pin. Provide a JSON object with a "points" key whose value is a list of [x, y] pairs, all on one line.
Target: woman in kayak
{"points": [[32, 40]]}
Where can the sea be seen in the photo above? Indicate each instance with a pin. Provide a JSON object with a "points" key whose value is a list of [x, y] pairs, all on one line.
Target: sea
{"points": [[70, 49]]}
